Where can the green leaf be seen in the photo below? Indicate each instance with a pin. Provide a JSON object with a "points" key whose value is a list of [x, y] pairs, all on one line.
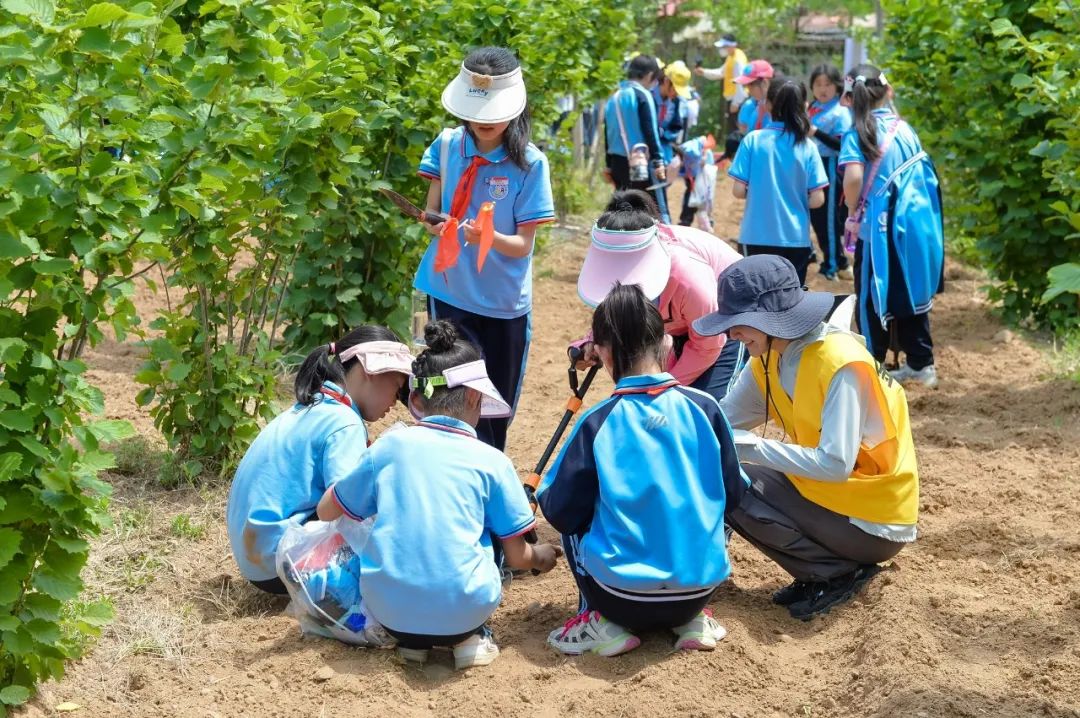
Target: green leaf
{"points": [[12, 247], [1021, 81], [1063, 278], [14, 695], [99, 613], [43, 11], [177, 371], [111, 429], [102, 13], [70, 545], [9, 623], [61, 586], [9, 465], [12, 350], [45, 632], [53, 265], [9, 545], [16, 420]]}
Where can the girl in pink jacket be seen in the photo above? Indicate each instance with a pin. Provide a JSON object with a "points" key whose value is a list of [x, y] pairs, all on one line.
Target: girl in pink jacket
{"points": [[677, 268]]}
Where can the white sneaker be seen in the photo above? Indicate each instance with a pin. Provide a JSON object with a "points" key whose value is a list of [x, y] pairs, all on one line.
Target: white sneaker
{"points": [[413, 655], [927, 376], [476, 650], [589, 632], [701, 634]]}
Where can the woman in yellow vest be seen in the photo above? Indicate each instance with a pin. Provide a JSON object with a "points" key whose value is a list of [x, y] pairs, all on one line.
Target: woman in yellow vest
{"points": [[734, 94], [840, 493]]}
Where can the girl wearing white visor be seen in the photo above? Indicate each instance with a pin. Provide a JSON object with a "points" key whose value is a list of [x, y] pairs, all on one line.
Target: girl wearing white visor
{"points": [[478, 272], [318, 441], [440, 495]]}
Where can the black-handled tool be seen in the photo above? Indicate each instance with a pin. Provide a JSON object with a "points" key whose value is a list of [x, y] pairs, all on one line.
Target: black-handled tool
{"points": [[573, 406]]}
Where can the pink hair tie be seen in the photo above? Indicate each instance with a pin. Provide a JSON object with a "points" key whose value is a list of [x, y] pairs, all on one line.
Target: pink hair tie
{"points": [[332, 349]]}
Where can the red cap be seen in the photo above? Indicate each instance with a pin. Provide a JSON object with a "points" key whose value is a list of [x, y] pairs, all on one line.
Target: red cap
{"points": [[756, 70]]}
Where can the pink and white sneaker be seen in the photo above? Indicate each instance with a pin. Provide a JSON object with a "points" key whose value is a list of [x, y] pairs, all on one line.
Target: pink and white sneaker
{"points": [[589, 632], [701, 634]]}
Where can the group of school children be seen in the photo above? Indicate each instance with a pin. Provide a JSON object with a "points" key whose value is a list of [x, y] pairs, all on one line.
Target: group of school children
{"points": [[653, 480]]}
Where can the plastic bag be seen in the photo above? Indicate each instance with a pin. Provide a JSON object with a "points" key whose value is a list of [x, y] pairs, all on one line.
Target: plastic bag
{"points": [[319, 563]]}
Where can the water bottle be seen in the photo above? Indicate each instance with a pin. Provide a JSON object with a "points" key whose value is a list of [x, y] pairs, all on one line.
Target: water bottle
{"points": [[639, 163], [419, 317]]}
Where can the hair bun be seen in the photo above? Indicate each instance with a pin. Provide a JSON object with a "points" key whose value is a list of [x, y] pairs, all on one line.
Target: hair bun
{"points": [[440, 336]]}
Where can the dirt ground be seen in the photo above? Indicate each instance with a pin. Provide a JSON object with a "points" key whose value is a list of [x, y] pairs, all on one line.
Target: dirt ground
{"points": [[980, 617]]}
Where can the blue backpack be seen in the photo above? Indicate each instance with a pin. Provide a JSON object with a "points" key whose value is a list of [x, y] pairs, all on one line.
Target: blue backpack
{"points": [[906, 248]]}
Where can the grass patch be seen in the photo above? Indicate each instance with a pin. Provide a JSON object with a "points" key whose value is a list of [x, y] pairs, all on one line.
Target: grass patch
{"points": [[1065, 357], [137, 456], [183, 526]]}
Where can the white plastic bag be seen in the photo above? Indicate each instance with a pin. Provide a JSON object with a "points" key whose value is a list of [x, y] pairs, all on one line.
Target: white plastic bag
{"points": [[319, 563], [704, 187]]}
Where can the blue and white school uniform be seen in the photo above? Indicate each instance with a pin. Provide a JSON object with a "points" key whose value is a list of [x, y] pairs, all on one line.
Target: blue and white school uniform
{"points": [[440, 494], [748, 115], [639, 492], [832, 121], [491, 306], [285, 472], [900, 289], [779, 174], [631, 117]]}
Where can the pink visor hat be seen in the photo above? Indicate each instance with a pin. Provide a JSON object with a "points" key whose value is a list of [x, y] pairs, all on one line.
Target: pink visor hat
{"points": [[380, 357], [635, 257], [473, 375]]}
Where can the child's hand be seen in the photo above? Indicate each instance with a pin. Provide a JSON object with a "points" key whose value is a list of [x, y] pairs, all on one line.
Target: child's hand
{"points": [[472, 234], [545, 556], [434, 229]]}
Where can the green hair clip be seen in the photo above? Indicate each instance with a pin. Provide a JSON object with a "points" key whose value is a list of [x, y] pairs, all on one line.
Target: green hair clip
{"points": [[430, 382]]}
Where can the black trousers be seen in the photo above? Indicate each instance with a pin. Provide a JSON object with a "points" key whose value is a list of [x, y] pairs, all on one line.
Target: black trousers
{"points": [[828, 221], [504, 346], [619, 167], [686, 217], [799, 256], [808, 541], [422, 642], [910, 335], [644, 614]]}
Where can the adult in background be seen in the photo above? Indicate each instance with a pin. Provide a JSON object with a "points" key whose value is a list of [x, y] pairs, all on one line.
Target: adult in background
{"points": [[734, 94], [841, 494], [634, 157]]}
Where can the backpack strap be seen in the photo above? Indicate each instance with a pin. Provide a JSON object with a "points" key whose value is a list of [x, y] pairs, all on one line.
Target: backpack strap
{"points": [[868, 181], [444, 150], [622, 126]]}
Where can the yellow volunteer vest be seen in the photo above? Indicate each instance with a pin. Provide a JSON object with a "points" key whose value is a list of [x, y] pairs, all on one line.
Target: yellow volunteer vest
{"points": [[884, 486], [736, 58]]}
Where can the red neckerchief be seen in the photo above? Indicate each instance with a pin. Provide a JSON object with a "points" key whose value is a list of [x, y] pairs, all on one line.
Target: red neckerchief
{"points": [[650, 390], [463, 192], [814, 110], [444, 427]]}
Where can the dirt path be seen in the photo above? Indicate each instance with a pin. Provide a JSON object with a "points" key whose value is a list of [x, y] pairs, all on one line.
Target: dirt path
{"points": [[981, 617]]}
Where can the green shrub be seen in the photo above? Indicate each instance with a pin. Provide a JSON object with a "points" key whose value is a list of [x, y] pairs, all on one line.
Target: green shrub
{"points": [[998, 113]]}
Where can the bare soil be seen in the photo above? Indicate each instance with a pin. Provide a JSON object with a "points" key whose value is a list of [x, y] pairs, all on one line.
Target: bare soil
{"points": [[980, 617]]}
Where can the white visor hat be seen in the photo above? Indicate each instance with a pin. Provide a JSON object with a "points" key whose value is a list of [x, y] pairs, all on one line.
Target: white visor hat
{"points": [[485, 99], [473, 375]]}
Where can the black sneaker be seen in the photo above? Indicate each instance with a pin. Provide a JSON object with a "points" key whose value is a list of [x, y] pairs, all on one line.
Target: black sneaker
{"points": [[793, 593], [823, 595]]}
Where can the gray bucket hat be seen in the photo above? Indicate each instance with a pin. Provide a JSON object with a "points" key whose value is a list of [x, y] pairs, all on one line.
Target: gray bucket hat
{"points": [[764, 292]]}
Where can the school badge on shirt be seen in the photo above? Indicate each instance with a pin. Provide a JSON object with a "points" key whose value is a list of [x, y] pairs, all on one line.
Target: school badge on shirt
{"points": [[498, 187]]}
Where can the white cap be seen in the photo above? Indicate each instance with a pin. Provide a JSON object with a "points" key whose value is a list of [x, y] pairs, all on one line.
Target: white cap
{"points": [[486, 99]]}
